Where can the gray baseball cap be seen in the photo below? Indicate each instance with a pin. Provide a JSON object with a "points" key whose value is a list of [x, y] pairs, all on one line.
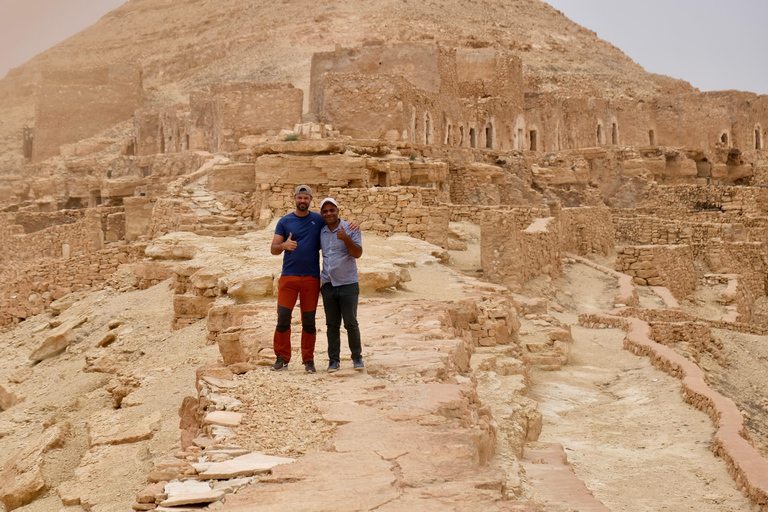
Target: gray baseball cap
{"points": [[303, 189]]}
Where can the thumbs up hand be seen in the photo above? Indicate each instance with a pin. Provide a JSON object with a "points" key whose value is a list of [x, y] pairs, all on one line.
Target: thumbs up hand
{"points": [[290, 244], [342, 235]]}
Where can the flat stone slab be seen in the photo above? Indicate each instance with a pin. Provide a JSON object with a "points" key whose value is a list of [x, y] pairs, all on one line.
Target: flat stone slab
{"points": [[193, 499], [174, 489], [109, 428], [223, 418], [220, 383], [245, 465]]}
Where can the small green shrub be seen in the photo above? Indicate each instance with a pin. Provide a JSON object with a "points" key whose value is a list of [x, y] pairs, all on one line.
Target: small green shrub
{"points": [[291, 137]]}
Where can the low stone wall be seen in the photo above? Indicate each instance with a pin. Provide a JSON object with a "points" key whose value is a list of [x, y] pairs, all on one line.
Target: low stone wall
{"points": [[586, 230], [29, 289], [745, 200], [748, 259], [736, 297], [511, 256], [389, 210], [670, 266], [61, 241], [524, 215], [693, 337]]}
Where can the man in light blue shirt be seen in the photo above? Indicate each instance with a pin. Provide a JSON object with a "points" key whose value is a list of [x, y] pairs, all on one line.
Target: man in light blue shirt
{"points": [[338, 283]]}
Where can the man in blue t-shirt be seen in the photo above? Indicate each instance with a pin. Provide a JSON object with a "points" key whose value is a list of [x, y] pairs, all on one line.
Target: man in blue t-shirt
{"points": [[298, 234]]}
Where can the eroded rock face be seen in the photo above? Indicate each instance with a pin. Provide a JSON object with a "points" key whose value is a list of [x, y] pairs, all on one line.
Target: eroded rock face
{"points": [[21, 478]]}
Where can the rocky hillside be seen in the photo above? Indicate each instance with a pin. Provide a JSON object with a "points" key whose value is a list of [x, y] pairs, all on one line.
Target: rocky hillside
{"points": [[183, 45]]}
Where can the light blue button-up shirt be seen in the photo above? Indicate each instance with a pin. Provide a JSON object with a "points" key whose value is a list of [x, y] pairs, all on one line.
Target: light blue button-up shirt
{"points": [[339, 267]]}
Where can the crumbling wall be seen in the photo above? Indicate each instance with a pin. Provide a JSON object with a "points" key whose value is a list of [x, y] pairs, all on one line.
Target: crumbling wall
{"points": [[245, 108], [521, 216], [84, 236], [512, 257], [670, 266], [586, 230], [747, 259], [744, 200], [477, 183], [75, 105], [30, 287]]}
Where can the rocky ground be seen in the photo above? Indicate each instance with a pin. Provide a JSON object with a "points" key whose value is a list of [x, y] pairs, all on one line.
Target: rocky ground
{"points": [[623, 424]]}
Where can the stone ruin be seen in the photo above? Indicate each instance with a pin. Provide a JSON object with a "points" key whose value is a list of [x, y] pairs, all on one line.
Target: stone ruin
{"points": [[409, 138]]}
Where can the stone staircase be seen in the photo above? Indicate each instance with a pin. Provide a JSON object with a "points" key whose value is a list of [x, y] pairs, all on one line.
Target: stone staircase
{"points": [[208, 216]]}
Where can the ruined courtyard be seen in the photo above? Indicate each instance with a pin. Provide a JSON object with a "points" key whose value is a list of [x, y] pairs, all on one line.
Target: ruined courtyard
{"points": [[564, 289]]}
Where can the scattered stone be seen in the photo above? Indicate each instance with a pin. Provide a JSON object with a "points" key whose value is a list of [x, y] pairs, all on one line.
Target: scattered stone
{"points": [[57, 340], [241, 368], [107, 340], [21, 478], [246, 465], [220, 383], [223, 418], [149, 493], [193, 499]]}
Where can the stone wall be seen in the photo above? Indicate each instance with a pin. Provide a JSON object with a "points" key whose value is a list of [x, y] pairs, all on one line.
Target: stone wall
{"points": [[61, 240], [388, 91], [30, 287], [477, 183], [246, 108], [511, 256], [736, 297], [748, 259], [586, 230], [389, 210], [744, 200], [670, 266], [523, 215], [75, 105]]}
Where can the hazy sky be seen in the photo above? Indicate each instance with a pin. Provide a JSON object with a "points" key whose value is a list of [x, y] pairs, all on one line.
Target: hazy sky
{"points": [[713, 44]]}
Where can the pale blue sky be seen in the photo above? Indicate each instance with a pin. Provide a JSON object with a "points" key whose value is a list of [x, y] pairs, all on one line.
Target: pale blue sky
{"points": [[713, 44]]}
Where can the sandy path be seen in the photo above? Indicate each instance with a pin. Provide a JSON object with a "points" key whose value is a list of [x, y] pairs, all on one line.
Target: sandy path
{"points": [[623, 424]]}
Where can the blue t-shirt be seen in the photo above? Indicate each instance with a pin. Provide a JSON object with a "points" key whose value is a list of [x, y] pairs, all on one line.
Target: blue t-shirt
{"points": [[305, 260]]}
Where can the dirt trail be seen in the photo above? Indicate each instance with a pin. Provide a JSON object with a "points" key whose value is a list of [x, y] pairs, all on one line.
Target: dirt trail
{"points": [[623, 424]]}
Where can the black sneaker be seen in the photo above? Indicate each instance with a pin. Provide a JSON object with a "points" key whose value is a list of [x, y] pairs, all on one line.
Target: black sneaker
{"points": [[280, 364], [357, 363], [309, 366], [333, 366]]}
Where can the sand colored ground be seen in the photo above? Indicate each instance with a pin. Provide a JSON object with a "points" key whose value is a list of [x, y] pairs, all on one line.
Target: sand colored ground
{"points": [[626, 431]]}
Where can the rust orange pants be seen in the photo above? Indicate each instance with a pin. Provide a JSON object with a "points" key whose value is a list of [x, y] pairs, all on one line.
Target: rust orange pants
{"points": [[307, 290]]}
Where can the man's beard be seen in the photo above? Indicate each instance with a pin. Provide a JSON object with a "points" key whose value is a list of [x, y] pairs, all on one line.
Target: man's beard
{"points": [[302, 207]]}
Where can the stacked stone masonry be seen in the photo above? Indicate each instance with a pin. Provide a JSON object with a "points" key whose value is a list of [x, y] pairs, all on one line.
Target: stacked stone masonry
{"points": [[670, 266]]}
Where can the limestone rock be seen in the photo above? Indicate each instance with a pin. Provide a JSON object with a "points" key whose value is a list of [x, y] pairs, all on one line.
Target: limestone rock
{"points": [[174, 246], [223, 418], [245, 465], [57, 340], [244, 286], [65, 302], [111, 428], [372, 279], [21, 477]]}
